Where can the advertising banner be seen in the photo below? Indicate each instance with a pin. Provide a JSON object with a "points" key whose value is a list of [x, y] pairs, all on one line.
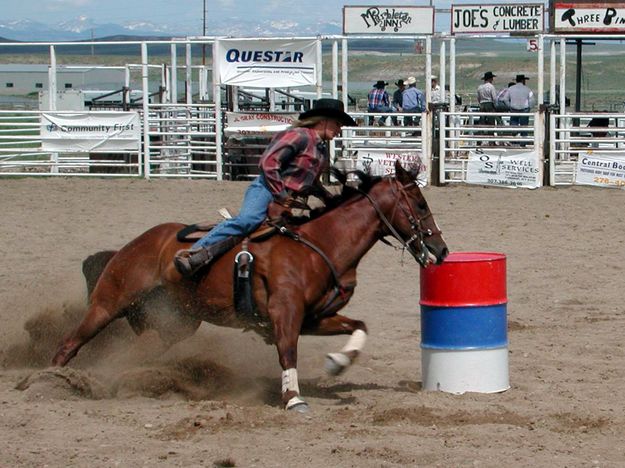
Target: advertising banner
{"points": [[382, 162], [590, 17], [255, 123], [90, 131], [518, 18], [272, 63], [601, 169], [504, 168], [388, 20]]}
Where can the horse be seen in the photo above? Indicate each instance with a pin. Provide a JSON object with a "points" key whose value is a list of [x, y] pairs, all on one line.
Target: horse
{"points": [[301, 277]]}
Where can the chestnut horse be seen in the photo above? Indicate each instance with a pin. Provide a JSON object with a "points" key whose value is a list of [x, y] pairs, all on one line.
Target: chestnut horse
{"points": [[298, 285]]}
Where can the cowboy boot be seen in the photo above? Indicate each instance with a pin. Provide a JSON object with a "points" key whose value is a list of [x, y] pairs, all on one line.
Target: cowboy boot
{"points": [[189, 262]]}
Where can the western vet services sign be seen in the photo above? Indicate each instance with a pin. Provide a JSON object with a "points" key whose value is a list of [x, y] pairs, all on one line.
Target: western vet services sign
{"points": [[273, 63], [518, 18], [90, 131], [388, 20]]}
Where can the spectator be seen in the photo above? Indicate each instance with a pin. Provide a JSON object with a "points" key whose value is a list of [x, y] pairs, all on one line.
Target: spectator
{"points": [[378, 100], [413, 100], [486, 97], [500, 103], [396, 104], [520, 99], [437, 95]]}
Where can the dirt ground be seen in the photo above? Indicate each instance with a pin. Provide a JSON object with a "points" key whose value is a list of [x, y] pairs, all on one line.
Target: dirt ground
{"points": [[213, 400]]}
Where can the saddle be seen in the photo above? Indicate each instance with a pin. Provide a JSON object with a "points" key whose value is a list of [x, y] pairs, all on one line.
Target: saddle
{"points": [[194, 232]]}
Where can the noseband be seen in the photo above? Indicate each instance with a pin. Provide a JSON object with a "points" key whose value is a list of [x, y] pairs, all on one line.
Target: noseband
{"points": [[419, 233]]}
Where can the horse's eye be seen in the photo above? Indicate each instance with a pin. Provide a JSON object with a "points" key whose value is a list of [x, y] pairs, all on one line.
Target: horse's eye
{"points": [[422, 205]]}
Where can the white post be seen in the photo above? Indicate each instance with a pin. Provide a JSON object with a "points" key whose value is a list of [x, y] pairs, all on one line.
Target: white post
{"points": [[189, 74], [552, 73], [218, 121], [452, 74], [335, 68], [541, 70], [52, 90], [319, 69], [146, 110], [344, 72], [442, 72], [174, 74]]}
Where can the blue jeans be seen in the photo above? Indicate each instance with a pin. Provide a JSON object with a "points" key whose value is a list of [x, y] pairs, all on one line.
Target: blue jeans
{"points": [[253, 213]]}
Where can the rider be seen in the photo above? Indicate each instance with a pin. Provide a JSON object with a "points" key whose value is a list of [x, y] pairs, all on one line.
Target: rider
{"points": [[292, 164]]}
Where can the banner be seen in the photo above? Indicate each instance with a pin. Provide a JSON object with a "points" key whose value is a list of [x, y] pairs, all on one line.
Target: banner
{"points": [[90, 131], [484, 19], [590, 17], [504, 168], [601, 169], [272, 63], [381, 163], [388, 20], [248, 123]]}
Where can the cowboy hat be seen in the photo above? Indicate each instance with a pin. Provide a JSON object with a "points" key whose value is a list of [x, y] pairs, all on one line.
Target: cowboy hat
{"points": [[399, 83], [380, 84], [330, 108], [522, 78], [488, 75], [410, 80]]}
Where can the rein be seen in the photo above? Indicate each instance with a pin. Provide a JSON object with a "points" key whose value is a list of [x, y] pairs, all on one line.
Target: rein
{"points": [[419, 234]]}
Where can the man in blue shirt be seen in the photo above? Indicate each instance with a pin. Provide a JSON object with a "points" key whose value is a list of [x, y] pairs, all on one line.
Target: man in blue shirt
{"points": [[413, 100]]}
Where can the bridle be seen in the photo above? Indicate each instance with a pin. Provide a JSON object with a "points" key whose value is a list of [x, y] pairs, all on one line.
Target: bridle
{"points": [[418, 235]]}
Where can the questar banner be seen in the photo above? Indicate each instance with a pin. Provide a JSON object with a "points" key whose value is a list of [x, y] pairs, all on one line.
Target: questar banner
{"points": [[90, 131], [270, 63]]}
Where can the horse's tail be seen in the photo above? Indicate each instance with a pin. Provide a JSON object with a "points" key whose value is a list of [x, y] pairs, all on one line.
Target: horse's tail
{"points": [[93, 266]]}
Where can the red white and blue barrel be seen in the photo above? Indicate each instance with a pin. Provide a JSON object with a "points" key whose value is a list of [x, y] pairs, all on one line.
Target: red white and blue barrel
{"points": [[464, 340]]}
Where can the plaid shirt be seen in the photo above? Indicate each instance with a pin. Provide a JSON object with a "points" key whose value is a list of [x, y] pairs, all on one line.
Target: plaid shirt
{"points": [[377, 97], [294, 161]]}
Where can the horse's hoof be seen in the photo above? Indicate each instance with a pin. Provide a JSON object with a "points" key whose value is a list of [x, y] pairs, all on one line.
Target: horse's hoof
{"points": [[336, 363], [298, 405]]}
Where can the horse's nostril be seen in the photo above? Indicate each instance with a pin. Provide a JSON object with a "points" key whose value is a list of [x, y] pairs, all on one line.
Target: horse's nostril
{"points": [[443, 254]]}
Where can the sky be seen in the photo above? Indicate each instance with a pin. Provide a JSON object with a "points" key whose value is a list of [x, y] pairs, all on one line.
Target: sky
{"points": [[188, 14]]}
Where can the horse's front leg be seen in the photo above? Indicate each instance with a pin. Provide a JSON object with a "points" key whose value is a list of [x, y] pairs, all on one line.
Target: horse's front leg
{"points": [[287, 322], [336, 363]]}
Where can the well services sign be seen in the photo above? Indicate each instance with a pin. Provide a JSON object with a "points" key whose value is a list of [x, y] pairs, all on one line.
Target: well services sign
{"points": [[517, 18], [389, 20], [504, 168]]}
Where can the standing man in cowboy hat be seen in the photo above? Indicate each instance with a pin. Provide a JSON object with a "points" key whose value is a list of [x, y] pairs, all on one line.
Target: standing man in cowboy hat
{"points": [[413, 100], [520, 99], [487, 97], [291, 165], [378, 100]]}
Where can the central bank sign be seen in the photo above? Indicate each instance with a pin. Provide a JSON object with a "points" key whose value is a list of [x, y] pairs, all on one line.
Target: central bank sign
{"points": [[517, 18], [388, 20]]}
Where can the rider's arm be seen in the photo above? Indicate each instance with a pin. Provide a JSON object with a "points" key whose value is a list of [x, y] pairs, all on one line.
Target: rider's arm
{"points": [[280, 152]]}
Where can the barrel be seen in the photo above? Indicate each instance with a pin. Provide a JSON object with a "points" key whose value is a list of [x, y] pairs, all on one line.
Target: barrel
{"points": [[464, 341]]}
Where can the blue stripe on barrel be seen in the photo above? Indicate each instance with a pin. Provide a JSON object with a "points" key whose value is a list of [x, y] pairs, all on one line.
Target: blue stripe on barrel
{"points": [[481, 327]]}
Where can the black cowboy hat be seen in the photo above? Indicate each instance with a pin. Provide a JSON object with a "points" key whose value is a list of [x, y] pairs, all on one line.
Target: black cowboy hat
{"points": [[380, 84], [522, 78], [331, 108], [488, 75], [399, 83]]}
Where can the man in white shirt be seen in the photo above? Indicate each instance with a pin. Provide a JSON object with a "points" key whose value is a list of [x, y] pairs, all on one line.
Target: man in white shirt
{"points": [[486, 97], [520, 99]]}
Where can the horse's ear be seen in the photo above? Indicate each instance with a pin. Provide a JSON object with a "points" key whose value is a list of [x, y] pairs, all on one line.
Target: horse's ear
{"points": [[402, 174]]}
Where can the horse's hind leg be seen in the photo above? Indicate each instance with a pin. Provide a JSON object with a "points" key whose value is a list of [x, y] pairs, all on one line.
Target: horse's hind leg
{"points": [[337, 324], [109, 300]]}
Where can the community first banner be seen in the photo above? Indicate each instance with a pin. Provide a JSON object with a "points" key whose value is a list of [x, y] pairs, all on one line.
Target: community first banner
{"points": [[90, 131], [272, 63], [601, 169], [504, 168]]}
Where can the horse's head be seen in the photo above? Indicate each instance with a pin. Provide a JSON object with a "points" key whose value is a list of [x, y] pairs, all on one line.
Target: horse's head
{"points": [[405, 214]]}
